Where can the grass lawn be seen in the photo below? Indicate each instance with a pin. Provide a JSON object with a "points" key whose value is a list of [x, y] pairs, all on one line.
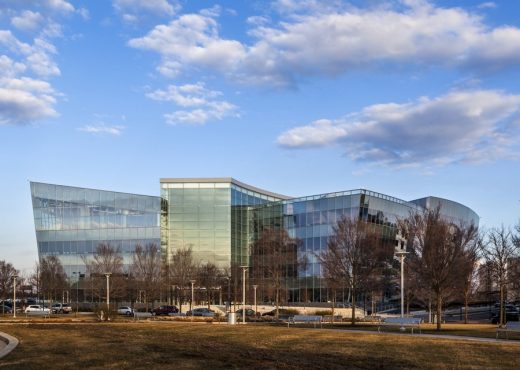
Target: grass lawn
{"points": [[165, 344]]}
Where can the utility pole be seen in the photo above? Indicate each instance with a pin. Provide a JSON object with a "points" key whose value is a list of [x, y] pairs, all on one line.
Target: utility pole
{"points": [[400, 252]]}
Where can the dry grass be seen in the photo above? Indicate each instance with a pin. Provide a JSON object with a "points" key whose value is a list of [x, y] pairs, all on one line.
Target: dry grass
{"points": [[163, 344]]}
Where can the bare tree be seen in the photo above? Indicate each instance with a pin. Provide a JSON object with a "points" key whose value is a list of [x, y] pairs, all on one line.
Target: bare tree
{"points": [[353, 254], [500, 249], [7, 273], [53, 279], [181, 270], [208, 277], [35, 279], [275, 261], [468, 268], [436, 248], [106, 259], [146, 271]]}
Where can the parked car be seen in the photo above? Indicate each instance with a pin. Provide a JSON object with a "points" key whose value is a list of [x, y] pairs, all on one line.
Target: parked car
{"points": [[249, 312], [510, 316], [125, 310], [202, 311], [37, 308], [165, 310], [61, 308], [282, 313], [6, 309]]}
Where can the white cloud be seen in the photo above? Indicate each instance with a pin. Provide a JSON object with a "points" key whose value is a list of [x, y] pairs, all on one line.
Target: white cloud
{"points": [[131, 10], [84, 13], [257, 20], [468, 125], [204, 104], [102, 129], [26, 67], [487, 5], [25, 100], [60, 5], [27, 20], [192, 39], [333, 40], [185, 95]]}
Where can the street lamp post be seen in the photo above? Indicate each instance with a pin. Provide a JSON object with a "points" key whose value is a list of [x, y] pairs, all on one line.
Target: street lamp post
{"points": [[256, 306], [244, 269], [107, 274], [228, 293], [77, 291], [191, 302], [400, 252], [14, 295]]}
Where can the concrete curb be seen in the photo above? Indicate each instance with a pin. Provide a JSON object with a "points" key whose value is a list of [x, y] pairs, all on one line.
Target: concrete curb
{"points": [[11, 343]]}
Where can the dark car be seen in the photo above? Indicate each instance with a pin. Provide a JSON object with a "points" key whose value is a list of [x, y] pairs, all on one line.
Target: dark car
{"points": [[510, 316], [202, 311], [282, 313], [165, 310], [249, 312], [5, 309]]}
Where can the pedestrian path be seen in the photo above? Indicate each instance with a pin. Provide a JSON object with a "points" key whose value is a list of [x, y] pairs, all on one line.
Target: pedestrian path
{"points": [[7, 344], [434, 336]]}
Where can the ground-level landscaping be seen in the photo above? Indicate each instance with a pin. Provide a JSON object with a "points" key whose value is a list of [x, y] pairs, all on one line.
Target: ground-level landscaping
{"points": [[165, 344]]}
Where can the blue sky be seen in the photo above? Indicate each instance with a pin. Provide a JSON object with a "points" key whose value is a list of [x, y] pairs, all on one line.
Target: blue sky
{"points": [[408, 98]]}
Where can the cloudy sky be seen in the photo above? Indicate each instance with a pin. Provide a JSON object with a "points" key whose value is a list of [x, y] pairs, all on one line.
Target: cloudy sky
{"points": [[408, 98]]}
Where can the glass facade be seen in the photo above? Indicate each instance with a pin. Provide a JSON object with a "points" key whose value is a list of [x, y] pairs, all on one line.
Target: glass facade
{"points": [[70, 222], [211, 216], [218, 218], [450, 209], [311, 220]]}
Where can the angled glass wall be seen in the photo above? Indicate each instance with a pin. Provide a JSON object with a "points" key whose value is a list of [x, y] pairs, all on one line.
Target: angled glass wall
{"points": [[211, 216], [71, 222]]}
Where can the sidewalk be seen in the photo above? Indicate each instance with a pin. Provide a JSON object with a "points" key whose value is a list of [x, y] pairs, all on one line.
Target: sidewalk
{"points": [[435, 336]]}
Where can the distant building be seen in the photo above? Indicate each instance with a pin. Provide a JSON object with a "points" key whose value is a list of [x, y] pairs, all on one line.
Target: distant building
{"points": [[218, 218]]}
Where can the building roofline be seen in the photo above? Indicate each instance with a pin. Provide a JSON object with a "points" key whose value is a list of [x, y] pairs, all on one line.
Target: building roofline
{"points": [[230, 180], [95, 189]]}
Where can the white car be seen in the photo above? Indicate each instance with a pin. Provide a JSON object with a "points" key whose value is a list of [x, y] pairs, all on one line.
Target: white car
{"points": [[37, 308], [125, 310]]}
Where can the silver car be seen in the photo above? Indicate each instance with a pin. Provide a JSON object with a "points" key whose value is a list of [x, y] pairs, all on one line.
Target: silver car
{"points": [[125, 310]]}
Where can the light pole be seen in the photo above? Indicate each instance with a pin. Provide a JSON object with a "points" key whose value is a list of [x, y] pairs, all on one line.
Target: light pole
{"points": [[244, 269], [256, 306], [228, 293], [107, 274], [77, 291], [191, 302], [14, 295], [400, 252]]}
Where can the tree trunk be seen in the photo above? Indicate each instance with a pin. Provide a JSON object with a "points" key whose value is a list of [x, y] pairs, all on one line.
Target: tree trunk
{"points": [[439, 311], [333, 304], [353, 318], [277, 299], [501, 317], [466, 299]]}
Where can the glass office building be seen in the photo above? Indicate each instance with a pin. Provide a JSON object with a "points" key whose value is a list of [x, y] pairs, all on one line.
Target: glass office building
{"points": [[218, 218], [71, 222]]}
